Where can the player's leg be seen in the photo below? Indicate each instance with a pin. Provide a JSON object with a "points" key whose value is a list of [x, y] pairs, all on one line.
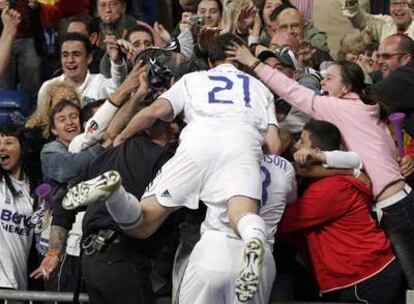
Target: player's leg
{"points": [[213, 263], [137, 219], [251, 228], [94, 190]]}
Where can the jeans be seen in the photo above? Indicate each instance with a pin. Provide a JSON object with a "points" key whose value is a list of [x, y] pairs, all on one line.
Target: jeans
{"points": [[398, 224], [23, 68], [383, 288]]}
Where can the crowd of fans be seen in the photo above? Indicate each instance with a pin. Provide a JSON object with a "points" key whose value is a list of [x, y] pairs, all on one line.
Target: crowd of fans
{"points": [[341, 227]]}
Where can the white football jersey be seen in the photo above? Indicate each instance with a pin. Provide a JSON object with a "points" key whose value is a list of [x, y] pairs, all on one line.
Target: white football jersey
{"points": [[278, 189], [222, 96]]}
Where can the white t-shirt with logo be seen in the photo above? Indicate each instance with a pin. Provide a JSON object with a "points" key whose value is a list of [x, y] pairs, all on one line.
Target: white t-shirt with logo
{"points": [[16, 234]]}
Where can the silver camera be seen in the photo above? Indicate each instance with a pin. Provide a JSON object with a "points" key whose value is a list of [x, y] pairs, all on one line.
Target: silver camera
{"points": [[198, 19]]}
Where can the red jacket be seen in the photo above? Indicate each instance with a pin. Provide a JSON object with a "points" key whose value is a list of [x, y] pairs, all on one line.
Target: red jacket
{"points": [[345, 245]]}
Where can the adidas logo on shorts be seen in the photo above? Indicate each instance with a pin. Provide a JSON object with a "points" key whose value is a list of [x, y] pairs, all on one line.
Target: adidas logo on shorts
{"points": [[166, 194]]}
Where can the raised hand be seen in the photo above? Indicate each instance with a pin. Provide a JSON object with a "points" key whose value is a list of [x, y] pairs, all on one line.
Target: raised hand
{"points": [[164, 35], [206, 35], [126, 48], [305, 53], [130, 84], [257, 25], [11, 20], [4, 4], [143, 89], [113, 49], [185, 21], [246, 18]]}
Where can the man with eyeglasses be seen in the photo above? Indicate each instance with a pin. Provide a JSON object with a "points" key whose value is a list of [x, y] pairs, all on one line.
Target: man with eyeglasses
{"points": [[288, 19], [114, 20], [395, 55], [395, 58], [381, 26]]}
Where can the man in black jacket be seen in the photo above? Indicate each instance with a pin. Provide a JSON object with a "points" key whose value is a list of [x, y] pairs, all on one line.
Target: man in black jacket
{"points": [[118, 272]]}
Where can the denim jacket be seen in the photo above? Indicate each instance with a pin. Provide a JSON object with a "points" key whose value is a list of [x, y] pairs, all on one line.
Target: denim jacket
{"points": [[60, 167]]}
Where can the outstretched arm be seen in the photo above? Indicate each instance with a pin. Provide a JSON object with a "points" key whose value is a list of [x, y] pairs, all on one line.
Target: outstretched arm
{"points": [[159, 109], [130, 108]]}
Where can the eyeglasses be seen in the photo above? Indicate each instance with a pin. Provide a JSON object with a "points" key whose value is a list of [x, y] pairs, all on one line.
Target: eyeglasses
{"points": [[400, 4], [386, 56]]}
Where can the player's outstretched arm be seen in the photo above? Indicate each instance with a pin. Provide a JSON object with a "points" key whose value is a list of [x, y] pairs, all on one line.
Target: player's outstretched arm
{"points": [[159, 109]]}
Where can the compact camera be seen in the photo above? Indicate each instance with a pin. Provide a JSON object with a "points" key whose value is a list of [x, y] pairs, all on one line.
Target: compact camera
{"points": [[200, 20]]}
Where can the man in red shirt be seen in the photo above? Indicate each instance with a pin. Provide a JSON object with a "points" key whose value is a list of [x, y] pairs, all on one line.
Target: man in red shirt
{"points": [[352, 258]]}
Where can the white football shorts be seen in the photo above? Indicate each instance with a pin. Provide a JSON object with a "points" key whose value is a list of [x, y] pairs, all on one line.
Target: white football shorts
{"points": [[208, 173], [211, 272]]}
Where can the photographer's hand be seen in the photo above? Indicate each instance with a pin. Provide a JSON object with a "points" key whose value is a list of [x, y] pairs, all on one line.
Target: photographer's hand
{"points": [[113, 49]]}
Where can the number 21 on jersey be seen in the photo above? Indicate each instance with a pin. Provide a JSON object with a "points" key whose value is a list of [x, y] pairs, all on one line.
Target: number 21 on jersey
{"points": [[223, 84]]}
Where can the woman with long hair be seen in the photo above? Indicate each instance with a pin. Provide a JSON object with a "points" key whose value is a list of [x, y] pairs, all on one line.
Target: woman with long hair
{"points": [[19, 176], [359, 115]]}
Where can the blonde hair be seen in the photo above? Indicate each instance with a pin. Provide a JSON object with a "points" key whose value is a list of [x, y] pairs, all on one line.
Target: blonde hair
{"points": [[354, 43], [40, 118], [230, 13]]}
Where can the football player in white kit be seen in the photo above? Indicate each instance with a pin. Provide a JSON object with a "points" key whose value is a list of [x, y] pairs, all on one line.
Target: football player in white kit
{"points": [[215, 260], [229, 116]]}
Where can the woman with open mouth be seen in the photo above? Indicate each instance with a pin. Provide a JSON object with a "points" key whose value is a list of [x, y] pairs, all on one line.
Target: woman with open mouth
{"points": [[17, 204]]}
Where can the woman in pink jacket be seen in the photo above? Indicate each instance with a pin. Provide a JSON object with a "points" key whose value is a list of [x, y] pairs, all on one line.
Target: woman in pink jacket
{"points": [[358, 116]]}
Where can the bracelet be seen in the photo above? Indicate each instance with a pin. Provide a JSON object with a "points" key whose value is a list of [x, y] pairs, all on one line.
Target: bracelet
{"points": [[53, 253], [254, 65], [112, 103]]}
